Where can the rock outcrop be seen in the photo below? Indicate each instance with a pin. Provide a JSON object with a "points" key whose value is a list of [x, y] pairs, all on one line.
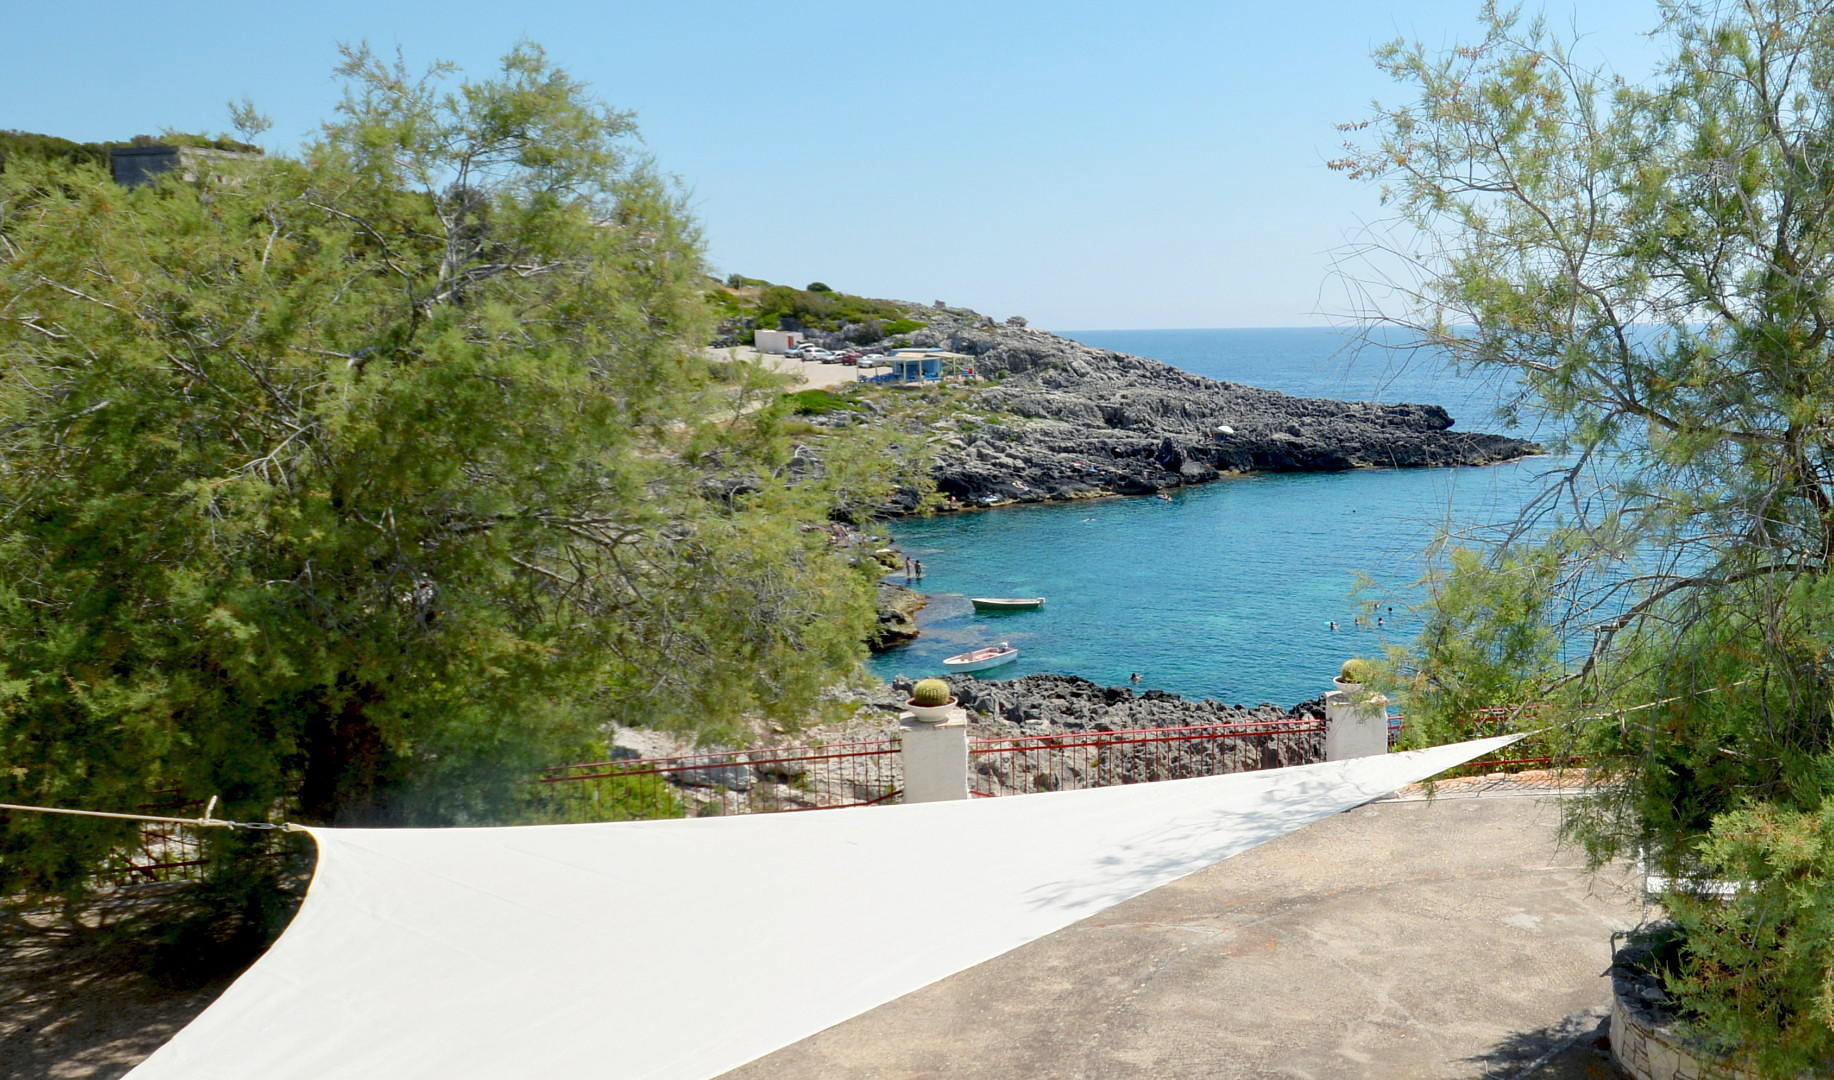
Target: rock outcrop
{"points": [[1064, 705], [1097, 422], [1047, 704], [1062, 420], [898, 607]]}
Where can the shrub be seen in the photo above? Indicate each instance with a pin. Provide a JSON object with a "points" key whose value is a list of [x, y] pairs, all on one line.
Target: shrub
{"points": [[816, 286], [902, 326], [818, 402]]}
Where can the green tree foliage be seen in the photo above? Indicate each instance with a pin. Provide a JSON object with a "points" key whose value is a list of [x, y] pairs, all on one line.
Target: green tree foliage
{"points": [[1655, 264], [50, 147], [22, 144], [355, 487]]}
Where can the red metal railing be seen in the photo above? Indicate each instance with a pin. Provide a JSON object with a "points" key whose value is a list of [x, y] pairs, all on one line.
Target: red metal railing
{"points": [[763, 780], [863, 773], [1012, 765], [164, 851], [161, 851]]}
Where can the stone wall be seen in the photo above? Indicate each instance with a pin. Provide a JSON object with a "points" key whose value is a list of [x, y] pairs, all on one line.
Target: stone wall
{"points": [[1644, 1040]]}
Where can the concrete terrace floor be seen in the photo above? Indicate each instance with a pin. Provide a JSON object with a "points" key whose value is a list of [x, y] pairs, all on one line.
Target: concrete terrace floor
{"points": [[1405, 938]]}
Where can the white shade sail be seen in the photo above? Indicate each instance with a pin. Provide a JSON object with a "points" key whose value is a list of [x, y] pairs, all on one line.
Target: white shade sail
{"points": [[682, 949]]}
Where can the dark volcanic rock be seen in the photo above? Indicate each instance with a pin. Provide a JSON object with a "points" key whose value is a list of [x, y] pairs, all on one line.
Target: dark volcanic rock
{"points": [[1048, 705], [1053, 703], [1076, 422]]}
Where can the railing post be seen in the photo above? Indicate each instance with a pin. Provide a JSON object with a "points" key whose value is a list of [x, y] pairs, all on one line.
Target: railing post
{"points": [[935, 757], [1356, 723]]}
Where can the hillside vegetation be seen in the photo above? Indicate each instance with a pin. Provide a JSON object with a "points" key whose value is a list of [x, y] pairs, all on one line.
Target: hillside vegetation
{"points": [[28, 144], [745, 304]]}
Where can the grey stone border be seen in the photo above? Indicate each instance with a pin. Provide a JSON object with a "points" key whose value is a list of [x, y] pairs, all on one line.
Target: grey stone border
{"points": [[1645, 1044]]}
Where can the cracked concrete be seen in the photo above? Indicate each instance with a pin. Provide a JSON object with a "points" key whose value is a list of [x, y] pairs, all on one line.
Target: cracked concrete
{"points": [[1447, 939]]}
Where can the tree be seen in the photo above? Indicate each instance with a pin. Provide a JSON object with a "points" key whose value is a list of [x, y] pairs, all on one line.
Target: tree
{"points": [[356, 487], [1654, 263]]}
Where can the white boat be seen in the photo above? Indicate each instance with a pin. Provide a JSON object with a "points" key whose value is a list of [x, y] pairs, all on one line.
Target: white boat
{"points": [[1006, 603], [982, 659]]}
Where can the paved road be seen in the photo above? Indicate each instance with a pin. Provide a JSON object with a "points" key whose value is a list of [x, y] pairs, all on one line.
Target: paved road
{"points": [[1403, 939]]}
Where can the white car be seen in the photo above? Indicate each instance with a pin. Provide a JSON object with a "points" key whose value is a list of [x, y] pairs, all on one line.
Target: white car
{"points": [[810, 352], [794, 352]]}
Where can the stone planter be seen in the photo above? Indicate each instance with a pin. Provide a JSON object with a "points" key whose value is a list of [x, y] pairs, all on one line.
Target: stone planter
{"points": [[1645, 1042]]}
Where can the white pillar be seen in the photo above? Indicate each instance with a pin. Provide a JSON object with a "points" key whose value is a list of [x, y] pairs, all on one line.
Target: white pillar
{"points": [[1356, 723], [935, 757]]}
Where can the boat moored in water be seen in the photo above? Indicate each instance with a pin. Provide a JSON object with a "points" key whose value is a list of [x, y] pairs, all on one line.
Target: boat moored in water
{"points": [[1006, 603], [982, 659]]}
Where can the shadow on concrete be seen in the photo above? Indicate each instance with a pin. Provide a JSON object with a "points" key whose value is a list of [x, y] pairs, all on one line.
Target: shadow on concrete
{"points": [[1452, 940], [1576, 1048]]}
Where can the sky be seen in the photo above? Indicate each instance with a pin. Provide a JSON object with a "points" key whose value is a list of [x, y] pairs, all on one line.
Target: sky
{"points": [[1159, 163]]}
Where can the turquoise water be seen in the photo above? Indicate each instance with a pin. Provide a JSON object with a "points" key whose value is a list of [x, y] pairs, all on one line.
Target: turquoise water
{"points": [[1226, 590]]}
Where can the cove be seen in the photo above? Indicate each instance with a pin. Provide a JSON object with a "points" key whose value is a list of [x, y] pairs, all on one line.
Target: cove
{"points": [[1226, 590]]}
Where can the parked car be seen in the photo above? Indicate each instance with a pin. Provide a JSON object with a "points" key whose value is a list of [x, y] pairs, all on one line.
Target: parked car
{"points": [[813, 353], [794, 352], [850, 357]]}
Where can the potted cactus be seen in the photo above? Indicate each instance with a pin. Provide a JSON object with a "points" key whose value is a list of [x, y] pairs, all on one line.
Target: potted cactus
{"points": [[1354, 674], [931, 700]]}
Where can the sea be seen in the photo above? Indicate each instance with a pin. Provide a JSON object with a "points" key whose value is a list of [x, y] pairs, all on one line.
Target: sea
{"points": [[1230, 589]]}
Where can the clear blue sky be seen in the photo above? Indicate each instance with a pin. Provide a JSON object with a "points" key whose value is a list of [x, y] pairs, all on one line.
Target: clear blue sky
{"points": [[1089, 165]]}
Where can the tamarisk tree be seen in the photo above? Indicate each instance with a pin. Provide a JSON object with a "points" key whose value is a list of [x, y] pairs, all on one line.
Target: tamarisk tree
{"points": [[358, 485], [1655, 263]]}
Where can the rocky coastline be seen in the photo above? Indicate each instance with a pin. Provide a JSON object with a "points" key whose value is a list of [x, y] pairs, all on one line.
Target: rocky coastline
{"points": [[1040, 704], [1049, 419], [1026, 707], [1057, 420], [1047, 704]]}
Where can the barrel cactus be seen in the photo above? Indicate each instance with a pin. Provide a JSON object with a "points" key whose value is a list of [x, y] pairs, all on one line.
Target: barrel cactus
{"points": [[1356, 671], [930, 693]]}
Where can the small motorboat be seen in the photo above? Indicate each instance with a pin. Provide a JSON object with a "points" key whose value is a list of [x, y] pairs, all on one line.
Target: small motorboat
{"points": [[1006, 603], [982, 659]]}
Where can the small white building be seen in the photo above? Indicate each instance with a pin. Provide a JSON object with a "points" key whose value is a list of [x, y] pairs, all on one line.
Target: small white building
{"points": [[777, 341]]}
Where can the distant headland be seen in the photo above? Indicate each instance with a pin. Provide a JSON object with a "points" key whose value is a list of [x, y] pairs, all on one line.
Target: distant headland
{"points": [[1050, 419]]}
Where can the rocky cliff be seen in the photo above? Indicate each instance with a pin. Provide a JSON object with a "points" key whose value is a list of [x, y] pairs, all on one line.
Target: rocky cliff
{"points": [[1063, 420]]}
